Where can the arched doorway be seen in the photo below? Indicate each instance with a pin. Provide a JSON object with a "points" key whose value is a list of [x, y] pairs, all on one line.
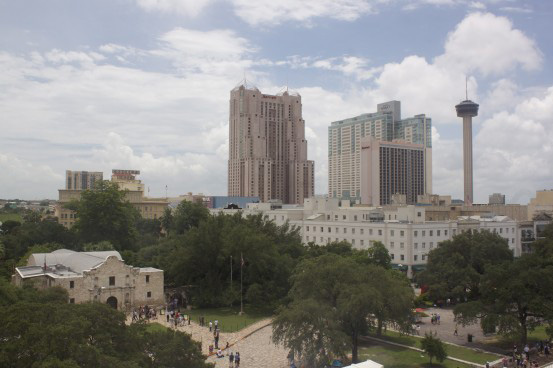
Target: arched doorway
{"points": [[112, 301]]}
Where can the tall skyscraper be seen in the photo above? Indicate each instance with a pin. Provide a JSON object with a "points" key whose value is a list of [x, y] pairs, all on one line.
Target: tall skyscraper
{"points": [[344, 145], [389, 168], [267, 147], [466, 110], [82, 180]]}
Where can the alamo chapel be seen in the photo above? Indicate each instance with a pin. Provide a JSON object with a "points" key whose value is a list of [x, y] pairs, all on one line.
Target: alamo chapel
{"points": [[94, 277]]}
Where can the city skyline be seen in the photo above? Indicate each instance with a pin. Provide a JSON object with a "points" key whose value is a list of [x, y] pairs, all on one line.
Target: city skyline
{"points": [[147, 87]]}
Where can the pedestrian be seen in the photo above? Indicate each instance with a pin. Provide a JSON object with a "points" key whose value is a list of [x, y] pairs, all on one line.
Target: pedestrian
{"points": [[418, 329], [455, 333], [231, 360], [216, 324], [487, 365], [527, 351], [438, 317], [210, 325], [237, 359]]}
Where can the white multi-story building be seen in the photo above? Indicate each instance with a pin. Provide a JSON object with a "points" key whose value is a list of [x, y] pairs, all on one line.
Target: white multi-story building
{"points": [[403, 230]]}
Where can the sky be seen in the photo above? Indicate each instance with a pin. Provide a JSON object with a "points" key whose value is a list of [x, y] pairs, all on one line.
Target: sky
{"points": [[144, 84]]}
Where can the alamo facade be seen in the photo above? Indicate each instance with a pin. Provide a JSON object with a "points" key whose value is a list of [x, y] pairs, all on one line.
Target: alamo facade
{"points": [[94, 277]]}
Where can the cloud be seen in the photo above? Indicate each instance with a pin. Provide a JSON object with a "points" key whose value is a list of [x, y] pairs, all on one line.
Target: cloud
{"points": [[171, 120], [266, 13], [183, 7], [25, 178], [489, 44]]}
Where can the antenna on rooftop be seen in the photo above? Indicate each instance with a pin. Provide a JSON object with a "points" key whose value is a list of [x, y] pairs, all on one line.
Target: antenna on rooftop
{"points": [[466, 88]]}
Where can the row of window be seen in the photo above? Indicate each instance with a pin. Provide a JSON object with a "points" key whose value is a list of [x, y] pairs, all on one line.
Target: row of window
{"points": [[402, 257], [392, 232]]}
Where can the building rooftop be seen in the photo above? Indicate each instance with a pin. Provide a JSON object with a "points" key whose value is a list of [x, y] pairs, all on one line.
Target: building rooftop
{"points": [[64, 262]]}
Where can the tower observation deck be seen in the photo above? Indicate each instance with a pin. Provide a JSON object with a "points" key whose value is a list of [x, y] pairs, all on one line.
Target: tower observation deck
{"points": [[467, 110]]}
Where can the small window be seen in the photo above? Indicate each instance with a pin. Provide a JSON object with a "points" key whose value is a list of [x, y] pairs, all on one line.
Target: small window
{"points": [[418, 214], [402, 257], [329, 230], [391, 232], [72, 301], [370, 231], [308, 228], [379, 232], [438, 232], [353, 242], [402, 233], [391, 244], [423, 257], [416, 246], [353, 230], [361, 231], [322, 229], [431, 245], [112, 281], [362, 242], [423, 233], [415, 257], [354, 217], [401, 245], [71, 284], [415, 233], [423, 245], [147, 279], [445, 232], [392, 255], [345, 230], [149, 294], [343, 217]]}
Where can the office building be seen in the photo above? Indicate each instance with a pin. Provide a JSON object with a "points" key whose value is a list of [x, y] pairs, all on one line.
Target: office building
{"points": [[94, 277], [467, 110], [267, 147], [391, 169], [541, 204], [496, 199], [404, 231], [82, 180], [344, 145]]}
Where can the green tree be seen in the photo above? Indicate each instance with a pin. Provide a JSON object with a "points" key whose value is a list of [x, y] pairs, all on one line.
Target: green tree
{"points": [[188, 215], [104, 214], [379, 255], [97, 247], [434, 347], [455, 267], [9, 226], [32, 216], [167, 220], [331, 298]]}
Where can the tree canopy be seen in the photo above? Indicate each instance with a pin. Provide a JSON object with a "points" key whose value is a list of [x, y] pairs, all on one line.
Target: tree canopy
{"points": [[104, 214], [333, 301], [455, 267], [40, 329], [434, 347]]}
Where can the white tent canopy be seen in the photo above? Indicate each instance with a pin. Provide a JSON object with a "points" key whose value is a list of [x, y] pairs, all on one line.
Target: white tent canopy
{"points": [[366, 364]]}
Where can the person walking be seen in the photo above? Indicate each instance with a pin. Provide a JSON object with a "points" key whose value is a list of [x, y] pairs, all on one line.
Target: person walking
{"points": [[455, 333], [237, 360], [210, 326], [231, 360]]}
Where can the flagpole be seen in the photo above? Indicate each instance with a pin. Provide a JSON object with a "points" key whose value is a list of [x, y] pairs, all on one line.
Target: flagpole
{"points": [[241, 292], [231, 296]]}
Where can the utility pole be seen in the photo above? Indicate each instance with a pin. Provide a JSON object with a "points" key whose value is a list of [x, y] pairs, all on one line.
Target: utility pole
{"points": [[231, 296], [241, 290]]}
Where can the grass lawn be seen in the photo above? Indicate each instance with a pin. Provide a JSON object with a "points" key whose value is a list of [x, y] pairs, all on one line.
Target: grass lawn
{"points": [[10, 216], [154, 327], [229, 320], [396, 357], [452, 350], [507, 342]]}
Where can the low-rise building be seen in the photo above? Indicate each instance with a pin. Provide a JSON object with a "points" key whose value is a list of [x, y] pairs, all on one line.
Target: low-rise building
{"points": [[150, 208], [94, 277], [404, 230]]}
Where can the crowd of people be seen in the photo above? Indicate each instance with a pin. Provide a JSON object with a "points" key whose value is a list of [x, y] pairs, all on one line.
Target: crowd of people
{"points": [[144, 312]]}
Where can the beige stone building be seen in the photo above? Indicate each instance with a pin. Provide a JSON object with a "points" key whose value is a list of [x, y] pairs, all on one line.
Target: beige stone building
{"points": [[392, 168], [267, 147], [542, 203], [150, 208], [94, 277]]}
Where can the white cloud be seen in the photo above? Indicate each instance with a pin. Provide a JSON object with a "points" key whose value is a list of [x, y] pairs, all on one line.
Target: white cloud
{"points": [[515, 9], [488, 44], [265, 13], [24, 179], [183, 7]]}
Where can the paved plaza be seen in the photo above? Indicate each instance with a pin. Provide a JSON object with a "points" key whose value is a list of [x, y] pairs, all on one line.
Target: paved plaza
{"points": [[253, 342]]}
